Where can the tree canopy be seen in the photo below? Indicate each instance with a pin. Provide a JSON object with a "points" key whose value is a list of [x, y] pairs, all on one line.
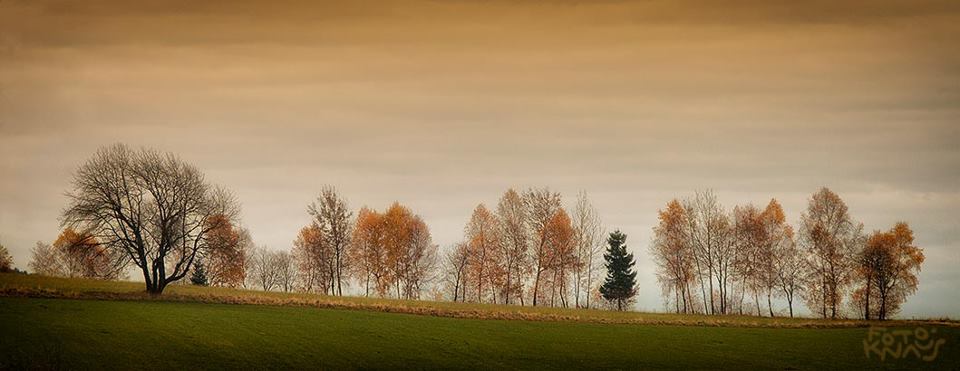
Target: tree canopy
{"points": [[152, 207]]}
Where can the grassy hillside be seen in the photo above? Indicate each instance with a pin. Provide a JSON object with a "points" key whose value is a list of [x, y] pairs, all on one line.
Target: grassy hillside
{"points": [[40, 286], [188, 329], [149, 334]]}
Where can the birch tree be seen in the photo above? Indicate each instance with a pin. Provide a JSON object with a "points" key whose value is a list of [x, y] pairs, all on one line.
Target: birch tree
{"points": [[482, 238], [541, 206], [331, 214], [514, 244], [672, 253], [587, 234], [830, 238]]}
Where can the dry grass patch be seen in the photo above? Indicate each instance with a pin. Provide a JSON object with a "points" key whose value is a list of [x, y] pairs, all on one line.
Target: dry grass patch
{"points": [[15, 285]]}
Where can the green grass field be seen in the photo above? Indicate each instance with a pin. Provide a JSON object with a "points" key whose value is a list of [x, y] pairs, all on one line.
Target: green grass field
{"points": [[150, 334]]}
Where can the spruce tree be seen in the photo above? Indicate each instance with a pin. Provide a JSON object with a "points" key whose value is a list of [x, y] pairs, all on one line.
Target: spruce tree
{"points": [[199, 276], [621, 281]]}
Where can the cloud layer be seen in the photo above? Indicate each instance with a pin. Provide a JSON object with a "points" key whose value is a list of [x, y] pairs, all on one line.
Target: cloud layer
{"points": [[442, 105]]}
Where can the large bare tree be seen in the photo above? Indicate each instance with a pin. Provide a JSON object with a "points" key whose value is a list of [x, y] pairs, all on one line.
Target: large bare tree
{"points": [[153, 207]]}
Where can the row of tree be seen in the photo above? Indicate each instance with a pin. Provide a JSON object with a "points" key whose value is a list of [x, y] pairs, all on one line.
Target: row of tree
{"points": [[714, 262], [390, 252], [528, 250], [150, 210]]}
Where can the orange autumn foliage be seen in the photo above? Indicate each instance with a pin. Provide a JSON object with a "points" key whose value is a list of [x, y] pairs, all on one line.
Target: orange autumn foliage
{"points": [[225, 256]]}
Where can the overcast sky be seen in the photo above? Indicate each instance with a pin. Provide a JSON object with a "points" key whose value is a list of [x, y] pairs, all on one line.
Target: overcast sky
{"points": [[442, 105]]}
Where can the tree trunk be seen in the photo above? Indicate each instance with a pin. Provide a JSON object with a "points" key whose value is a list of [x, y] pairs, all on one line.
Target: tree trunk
{"points": [[703, 290], [770, 304], [536, 287], [148, 281], [339, 277], [684, 293], [563, 290], [576, 287], [756, 299], [553, 290], [589, 281], [866, 306], [824, 289], [520, 285], [676, 300], [713, 308], [883, 306], [790, 304], [506, 298]]}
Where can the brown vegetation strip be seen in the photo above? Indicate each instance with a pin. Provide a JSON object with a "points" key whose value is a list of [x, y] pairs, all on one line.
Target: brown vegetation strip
{"points": [[443, 312]]}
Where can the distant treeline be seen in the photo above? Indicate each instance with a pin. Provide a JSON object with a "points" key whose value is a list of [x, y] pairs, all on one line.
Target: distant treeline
{"points": [[151, 210], [715, 262]]}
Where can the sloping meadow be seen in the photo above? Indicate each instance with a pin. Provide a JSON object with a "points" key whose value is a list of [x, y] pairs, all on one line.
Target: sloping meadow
{"points": [[19, 285]]}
